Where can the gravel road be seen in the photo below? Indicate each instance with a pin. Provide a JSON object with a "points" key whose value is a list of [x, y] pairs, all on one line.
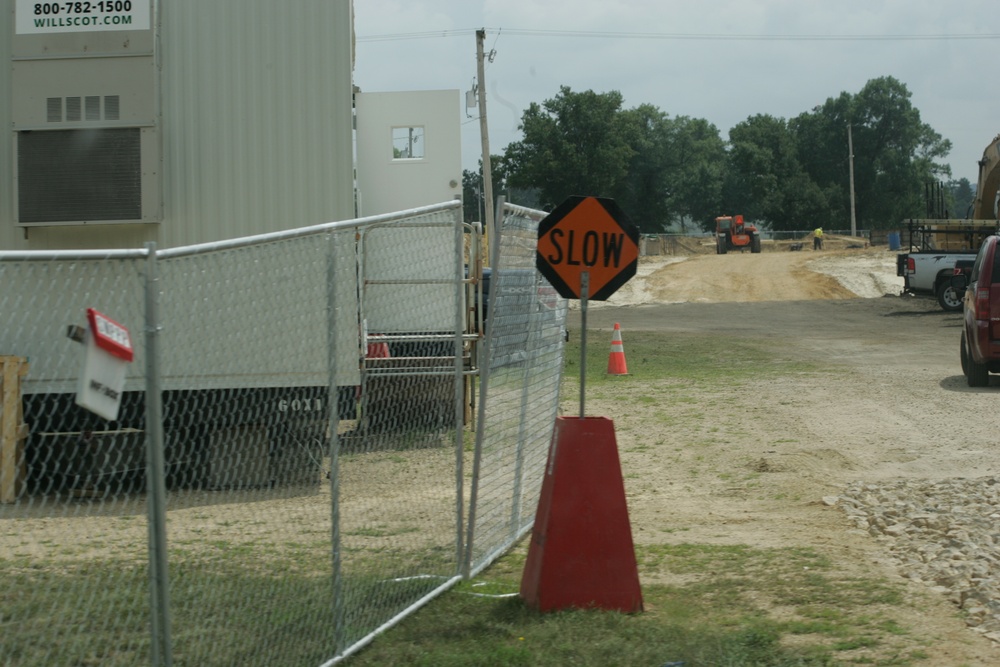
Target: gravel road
{"points": [[890, 461]]}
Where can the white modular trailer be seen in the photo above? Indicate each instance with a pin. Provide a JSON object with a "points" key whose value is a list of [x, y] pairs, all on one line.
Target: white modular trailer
{"points": [[410, 149], [243, 313], [174, 121], [252, 335], [193, 124]]}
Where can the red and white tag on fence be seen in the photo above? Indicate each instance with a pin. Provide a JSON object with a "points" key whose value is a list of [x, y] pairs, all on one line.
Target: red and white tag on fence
{"points": [[109, 335], [108, 353]]}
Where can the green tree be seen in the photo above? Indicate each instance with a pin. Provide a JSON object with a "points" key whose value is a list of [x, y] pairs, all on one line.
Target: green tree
{"points": [[696, 170], [785, 174], [822, 151], [895, 154], [765, 180], [659, 170], [645, 193], [575, 143], [962, 197], [473, 195]]}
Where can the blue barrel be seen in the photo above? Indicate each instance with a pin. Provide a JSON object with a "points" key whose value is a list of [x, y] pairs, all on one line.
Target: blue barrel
{"points": [[894, 241]]}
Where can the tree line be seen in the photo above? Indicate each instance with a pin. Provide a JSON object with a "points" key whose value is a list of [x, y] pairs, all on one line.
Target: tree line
{"points": [[678, 173]]}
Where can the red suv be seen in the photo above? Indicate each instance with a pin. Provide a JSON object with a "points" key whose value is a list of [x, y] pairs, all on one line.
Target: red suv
{"points": [[980, 348]]}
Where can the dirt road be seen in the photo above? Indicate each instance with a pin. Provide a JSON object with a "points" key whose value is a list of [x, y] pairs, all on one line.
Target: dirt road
{"points": [[895, 406]]}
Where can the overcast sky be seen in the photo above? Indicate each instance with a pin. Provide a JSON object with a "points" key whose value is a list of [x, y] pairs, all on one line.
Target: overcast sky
{"points": [[721, 60]]}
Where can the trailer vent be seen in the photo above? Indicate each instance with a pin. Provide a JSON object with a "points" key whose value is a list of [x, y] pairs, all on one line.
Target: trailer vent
{"points": [[83, 175], [93, 107], [92, 110], [54, 110], [72, 109], [111, 108]]}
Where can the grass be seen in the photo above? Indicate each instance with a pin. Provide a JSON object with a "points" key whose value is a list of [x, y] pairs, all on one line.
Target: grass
{"points": [[226, 614], [722, 614], [704, 604], [717, 605], [680, 358]]}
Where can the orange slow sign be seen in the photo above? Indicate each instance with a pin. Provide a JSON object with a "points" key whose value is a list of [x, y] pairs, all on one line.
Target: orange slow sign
{"points": [[587, 234]]}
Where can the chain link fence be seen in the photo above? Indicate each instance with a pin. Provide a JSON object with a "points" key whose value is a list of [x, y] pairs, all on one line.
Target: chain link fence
{"points": [[74, 584], [289, 471], [520, 392], [700, 242]]}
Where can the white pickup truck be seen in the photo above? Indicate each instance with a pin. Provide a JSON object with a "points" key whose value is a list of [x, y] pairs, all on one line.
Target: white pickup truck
{"points": [[933, 247]]}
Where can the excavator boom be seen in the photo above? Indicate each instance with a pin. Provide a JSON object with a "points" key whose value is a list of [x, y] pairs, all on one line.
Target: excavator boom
{"points": [[988, 190]]}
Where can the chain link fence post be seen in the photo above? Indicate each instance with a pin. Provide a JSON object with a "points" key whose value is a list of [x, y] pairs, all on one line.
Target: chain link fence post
{"points": [[162, 654]]}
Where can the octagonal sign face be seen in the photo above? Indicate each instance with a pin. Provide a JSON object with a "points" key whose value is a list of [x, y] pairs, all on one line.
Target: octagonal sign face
{"points": [[587, 234]]}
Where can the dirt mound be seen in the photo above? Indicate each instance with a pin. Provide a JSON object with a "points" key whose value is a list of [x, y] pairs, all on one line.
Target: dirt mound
{"points": [[705, 277]]}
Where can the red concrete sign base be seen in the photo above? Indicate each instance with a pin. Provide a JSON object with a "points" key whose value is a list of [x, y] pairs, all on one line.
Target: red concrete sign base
{"points": [[581, 552]]}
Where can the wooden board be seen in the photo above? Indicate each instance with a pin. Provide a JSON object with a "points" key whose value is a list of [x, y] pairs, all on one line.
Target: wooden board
{"points": [[13, 431]]}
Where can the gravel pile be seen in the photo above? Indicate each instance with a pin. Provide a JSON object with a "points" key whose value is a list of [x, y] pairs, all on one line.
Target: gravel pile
{"points": [[943, 533], [869, 275]]}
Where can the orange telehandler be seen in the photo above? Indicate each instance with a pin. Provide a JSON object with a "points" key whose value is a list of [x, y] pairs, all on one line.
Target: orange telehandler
{"points": [[732, 233]]}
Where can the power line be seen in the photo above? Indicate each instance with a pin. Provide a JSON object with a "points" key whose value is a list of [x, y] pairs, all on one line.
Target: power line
{"points": [[668, 36], [746, 37], [427, 34]]}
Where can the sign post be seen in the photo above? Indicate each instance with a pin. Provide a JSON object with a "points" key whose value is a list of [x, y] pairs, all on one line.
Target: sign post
{"points": [[584, 291], [581, 552], [587, 249]]}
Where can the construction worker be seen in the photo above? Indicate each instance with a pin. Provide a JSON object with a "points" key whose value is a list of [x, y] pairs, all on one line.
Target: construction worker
{"points": [[818, 238]]}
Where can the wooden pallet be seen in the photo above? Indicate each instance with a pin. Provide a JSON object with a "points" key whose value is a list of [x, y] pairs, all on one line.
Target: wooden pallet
{"points": [[13, 430]]}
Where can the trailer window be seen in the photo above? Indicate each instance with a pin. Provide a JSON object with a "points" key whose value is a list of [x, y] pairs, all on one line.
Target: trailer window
{"points": [[407, 143]]}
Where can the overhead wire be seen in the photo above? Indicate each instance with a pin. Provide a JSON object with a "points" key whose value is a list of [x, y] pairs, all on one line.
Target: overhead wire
{"points": [[677, 36], [600, 34]]}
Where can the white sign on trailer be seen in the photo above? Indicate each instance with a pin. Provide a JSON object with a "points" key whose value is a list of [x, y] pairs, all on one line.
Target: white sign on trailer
{"points": [[39, 18]]}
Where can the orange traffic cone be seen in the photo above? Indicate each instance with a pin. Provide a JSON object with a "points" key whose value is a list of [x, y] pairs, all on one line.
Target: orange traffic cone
{"points": [[374, 351], [616, 362], [378, 351]]}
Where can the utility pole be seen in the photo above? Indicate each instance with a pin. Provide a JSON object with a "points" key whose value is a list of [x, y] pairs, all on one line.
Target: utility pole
{"points": [[492, 234], [850, 150]]}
